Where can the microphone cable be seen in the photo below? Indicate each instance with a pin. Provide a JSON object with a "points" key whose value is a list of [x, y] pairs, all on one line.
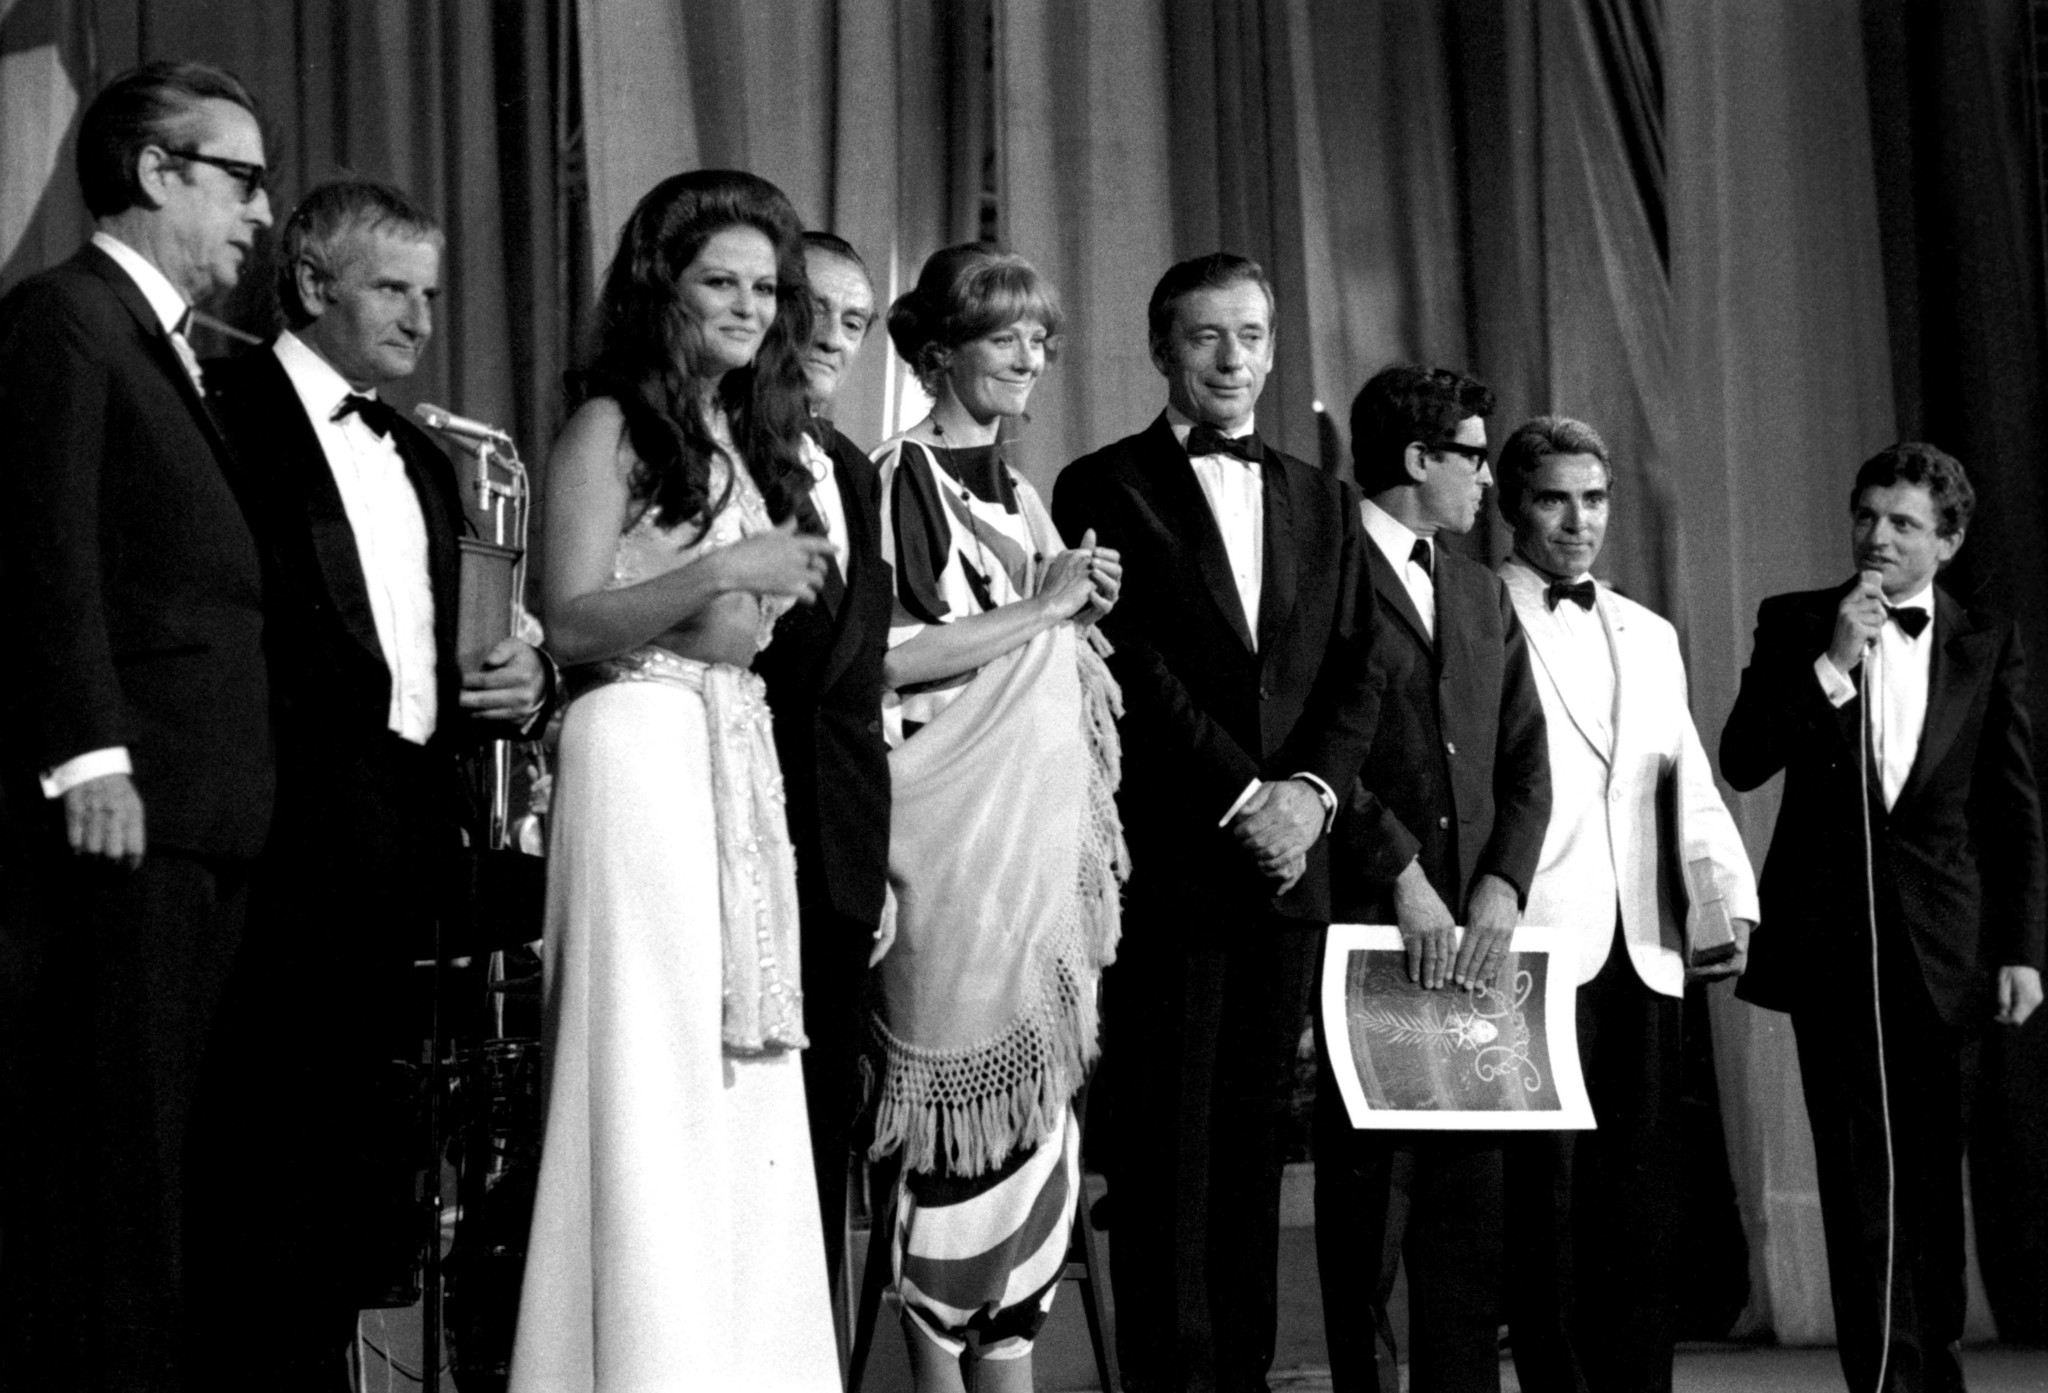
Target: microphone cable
{"points": [[1884, 1096]]}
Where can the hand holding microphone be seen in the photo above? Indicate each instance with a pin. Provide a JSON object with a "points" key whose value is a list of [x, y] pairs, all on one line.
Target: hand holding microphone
{"points": [[1859, 619]]}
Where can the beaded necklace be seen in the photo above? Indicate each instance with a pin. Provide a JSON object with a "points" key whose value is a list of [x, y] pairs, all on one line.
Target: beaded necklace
{"points": [[952, 476]]}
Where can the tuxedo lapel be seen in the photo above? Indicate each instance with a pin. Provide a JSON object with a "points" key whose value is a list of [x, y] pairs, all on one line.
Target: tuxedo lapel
{"points": [[1183, 514], [1546, 641], [1276, 587], [861, 551], [1629, 671], [433, 483], [1958, 665], [309, 491]]}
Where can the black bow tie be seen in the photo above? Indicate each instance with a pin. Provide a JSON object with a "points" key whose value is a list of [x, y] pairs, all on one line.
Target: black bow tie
{"points": [[1207, 440], [1912, 620], [1580, 594], [376, 415]]}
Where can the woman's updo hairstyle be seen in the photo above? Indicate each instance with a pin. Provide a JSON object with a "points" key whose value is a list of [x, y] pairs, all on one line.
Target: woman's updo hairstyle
{"points": [[963, 293], [640, 360]]}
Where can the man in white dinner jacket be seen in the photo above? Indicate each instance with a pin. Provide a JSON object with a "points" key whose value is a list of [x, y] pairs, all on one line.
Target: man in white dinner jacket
{"points": [[1640, 860]]}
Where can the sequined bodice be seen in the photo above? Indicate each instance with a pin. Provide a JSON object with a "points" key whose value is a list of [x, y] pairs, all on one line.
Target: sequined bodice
{"points": [[648, 549]]}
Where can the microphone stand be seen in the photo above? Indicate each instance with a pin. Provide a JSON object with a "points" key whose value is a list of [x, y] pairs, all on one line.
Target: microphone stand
{"points": [[501, 486]]}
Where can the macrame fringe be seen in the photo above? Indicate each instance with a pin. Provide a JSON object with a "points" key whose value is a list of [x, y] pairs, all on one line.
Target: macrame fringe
{"points": [[966, 1111]]}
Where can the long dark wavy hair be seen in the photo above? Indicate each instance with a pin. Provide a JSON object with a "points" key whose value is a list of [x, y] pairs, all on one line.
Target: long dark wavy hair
{"points": [[639, 359]]}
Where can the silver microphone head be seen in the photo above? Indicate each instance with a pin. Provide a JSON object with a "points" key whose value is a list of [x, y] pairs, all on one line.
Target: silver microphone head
{"points": [[440, 418]]}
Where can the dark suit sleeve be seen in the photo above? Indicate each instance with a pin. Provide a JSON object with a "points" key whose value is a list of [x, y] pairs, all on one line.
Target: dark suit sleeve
{"points": [[1335, 731], [1781, 710], [52, 411], [1521, 765], [1374, 845], [1214, 768], [2006, 821]]}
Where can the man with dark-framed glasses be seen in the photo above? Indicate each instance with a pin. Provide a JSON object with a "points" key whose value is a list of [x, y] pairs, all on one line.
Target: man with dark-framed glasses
{"points": [[136, 765]]}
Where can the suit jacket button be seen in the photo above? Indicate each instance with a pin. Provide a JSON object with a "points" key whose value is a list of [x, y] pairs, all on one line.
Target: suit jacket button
{"points": [[875, 725], [1451, 746], [1443, 822], [1265, 694]]}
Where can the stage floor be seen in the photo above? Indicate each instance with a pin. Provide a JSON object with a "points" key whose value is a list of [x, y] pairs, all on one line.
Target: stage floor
{"points": [[1065, 1362], [1756, 1369]]}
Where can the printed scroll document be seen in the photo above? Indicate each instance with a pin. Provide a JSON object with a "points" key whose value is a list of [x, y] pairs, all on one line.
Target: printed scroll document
{"points": [[1498, 1058]]}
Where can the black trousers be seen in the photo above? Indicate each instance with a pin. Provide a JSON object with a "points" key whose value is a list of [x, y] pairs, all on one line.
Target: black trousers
{"points": [[119, 975], [835, 972], [1203, 1022], [323, 1027], [1433, 1198], [1593, 1218], [1922, 1212]]}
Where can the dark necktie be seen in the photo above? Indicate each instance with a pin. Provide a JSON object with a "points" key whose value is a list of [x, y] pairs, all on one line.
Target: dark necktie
{"points": [[1420, 555], [376, 415], [1207, 440], [1912, 620], [181, 344], [1580, 594]]}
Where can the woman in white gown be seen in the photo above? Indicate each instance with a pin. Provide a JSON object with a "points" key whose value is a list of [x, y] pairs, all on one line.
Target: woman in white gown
{"points": [[676, 1240]]}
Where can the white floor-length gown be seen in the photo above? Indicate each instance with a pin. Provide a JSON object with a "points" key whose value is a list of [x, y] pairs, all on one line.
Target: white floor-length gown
{"points": [[676, 1241]]}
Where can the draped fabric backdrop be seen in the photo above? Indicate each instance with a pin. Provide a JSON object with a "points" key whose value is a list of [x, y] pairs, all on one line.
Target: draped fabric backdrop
{"points": [[466, 104], [1751, 242]]}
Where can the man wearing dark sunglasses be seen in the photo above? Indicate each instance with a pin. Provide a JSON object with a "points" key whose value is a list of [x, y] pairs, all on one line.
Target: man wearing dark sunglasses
{"points": [[250, 176], [136, 769], [1443, 828]]}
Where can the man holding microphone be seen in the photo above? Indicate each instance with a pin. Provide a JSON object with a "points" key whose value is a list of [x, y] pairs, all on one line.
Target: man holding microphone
{"points": [[1903, 897]]}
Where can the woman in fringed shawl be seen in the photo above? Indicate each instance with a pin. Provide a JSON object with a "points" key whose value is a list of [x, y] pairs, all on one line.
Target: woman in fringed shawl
{"points": [[1006, 856]]}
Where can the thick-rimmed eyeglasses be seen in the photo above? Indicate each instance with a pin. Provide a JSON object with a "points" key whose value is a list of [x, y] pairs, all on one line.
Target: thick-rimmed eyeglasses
{"points": [[250, 175], [1474, 455]]}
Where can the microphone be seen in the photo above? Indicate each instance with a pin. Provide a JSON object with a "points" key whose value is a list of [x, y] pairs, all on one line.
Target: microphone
{"points": [[440, 418], [1872, 579]]}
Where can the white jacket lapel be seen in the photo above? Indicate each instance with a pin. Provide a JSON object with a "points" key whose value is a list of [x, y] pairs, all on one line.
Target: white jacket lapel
{"points": [[1547, 641]]}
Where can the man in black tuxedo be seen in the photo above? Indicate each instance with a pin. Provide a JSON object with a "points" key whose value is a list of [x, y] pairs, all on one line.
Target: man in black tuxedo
{"points": [[136, 768], [1242, 650], [824, 677], [1954, 932], [1444, 826], [359, 515]]}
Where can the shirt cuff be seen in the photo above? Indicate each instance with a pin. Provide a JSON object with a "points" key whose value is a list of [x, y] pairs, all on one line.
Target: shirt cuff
{"points": [[79, 769], [1242, 799], [1834, 683], [550, 688], [1323, 792]]}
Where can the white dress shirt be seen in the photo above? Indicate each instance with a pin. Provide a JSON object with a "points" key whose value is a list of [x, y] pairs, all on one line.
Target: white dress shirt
{"points": [[1236, 490], [170, 308], [831, 507], [391, 535], [1899, 669], [1236, 493], [1396, 541], [1586, 667]]}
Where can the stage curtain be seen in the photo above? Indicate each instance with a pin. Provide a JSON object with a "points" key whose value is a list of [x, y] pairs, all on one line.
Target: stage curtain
{"points": [[460, 102], [1959, 195], [872, 115], [1784, 385]]}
